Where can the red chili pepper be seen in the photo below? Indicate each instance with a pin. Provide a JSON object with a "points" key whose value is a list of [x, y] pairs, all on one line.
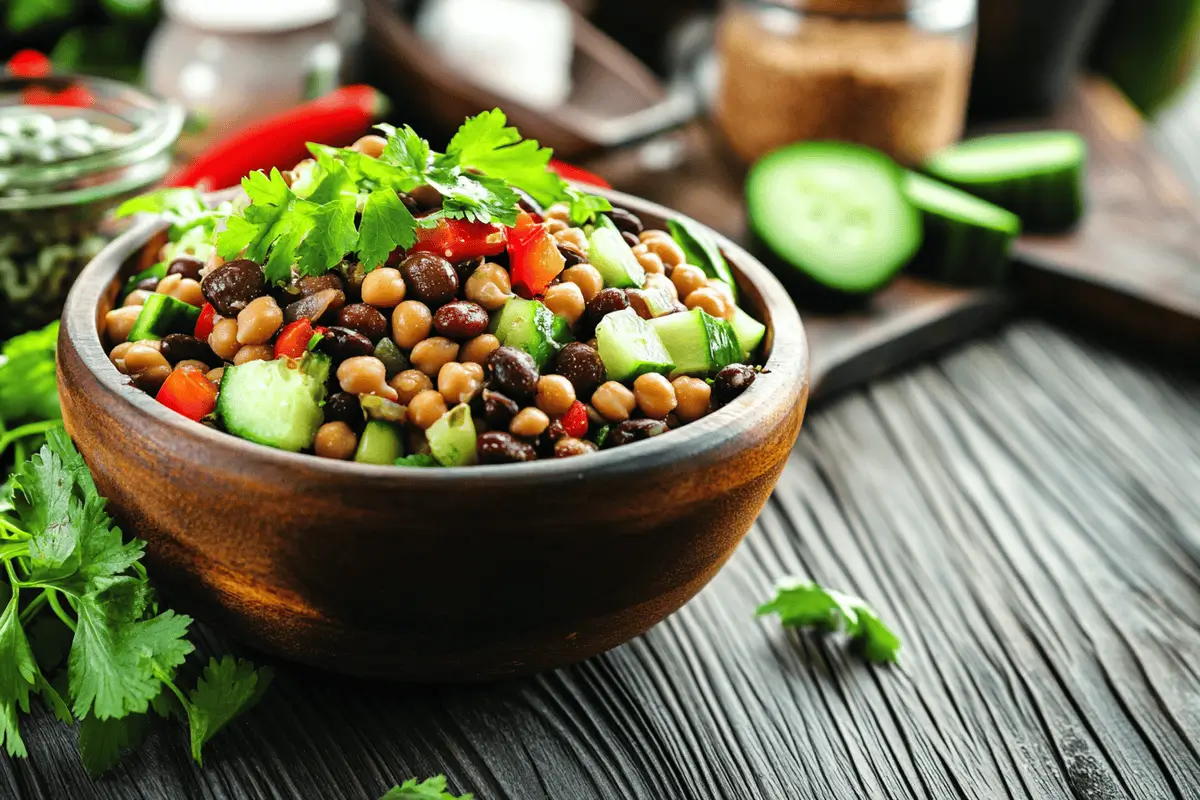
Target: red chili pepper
{"points": [[579, 174], [188, 392], [204, 325], [28, 64], [293, 339], [533, 257], [461, 240], [575, 421], [335, 119]]}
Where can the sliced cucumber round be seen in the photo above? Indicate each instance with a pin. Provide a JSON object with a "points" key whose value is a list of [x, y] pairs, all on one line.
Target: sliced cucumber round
{"points": [[1038, 176], [966, 239], [835, 212]]}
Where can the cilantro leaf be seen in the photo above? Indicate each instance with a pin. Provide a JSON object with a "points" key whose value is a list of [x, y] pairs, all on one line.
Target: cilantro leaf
{"points": [[44, 505], [805, 603], [102, 742], [430, 789], [486, 143], [60, 444], [332, 180], [175, 204], [407, 152], [584, 207], [332, 235], [477, 198], [18, 677], [271, 227], [225, 690], [28, 384], [417, 460], [386, 224]]}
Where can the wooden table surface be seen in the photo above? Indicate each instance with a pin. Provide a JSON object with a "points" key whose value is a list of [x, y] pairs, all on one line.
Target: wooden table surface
{"points": [[1023, 509]]}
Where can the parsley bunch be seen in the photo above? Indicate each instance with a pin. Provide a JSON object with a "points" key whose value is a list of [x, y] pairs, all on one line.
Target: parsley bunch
{"points": [[349, 203], [805, 603]]}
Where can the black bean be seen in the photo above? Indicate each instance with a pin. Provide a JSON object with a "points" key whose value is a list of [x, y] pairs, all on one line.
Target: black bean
{"points": [[626, 221], [426, 197], [634, 430], [232, 286], [315, 306], [497, 447], [365, 319], [582, 366], [731, 382], [186, 267], [498, 410], [147, 284], [461, 319], [344, 407], [430, 278], [630, 239], [342, 343], [311, 284], [570, 255], [178, 347], [513, 372], [606, 302]]}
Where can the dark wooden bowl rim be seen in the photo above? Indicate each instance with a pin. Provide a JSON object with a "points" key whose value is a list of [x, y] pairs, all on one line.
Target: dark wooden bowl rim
{"points": [[704, 439]]}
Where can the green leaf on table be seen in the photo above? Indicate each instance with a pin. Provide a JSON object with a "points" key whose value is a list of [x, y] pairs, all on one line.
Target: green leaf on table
{"points": [[226, 689], [44, 505], [19, 676], [102, 742], [429, 789], [801, 603], [61, 445]]}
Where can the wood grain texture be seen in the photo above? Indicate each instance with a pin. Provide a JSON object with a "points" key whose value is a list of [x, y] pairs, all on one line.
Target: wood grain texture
{"points": [[1023, 510]]}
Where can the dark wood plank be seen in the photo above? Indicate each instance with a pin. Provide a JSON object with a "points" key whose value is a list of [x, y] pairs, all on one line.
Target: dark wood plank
{"points": [[1023, 509]]}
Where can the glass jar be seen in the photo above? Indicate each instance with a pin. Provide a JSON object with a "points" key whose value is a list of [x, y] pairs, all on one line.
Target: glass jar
{"points": [[891, 74], [71, 150]]}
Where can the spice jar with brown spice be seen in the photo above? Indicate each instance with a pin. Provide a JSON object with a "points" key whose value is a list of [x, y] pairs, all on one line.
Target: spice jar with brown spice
{"points": [[890, 74]]}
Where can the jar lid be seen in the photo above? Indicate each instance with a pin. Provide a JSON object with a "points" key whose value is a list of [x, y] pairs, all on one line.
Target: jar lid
{"points": [[257, 16]]}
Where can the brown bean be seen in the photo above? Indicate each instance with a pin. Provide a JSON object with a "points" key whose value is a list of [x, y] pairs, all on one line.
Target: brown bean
{"points": [[223, 339], [605, 303], [693, 395], [513, 372], [259, 320], [335, 440], [478, 349], [410, 383], [426, 408], [370, 145], [582, 366], [497, 447], [432, 354], [253, 352], [311, 284], [461, 319], [178, 347], [626, 221], [635, 430], [431, 278], [343, 343], [529, 423], [498, 409], [570, 447], [365, 375], [314, 306], [489, 286], [231, 287], [365, 319], [731, 382], [186, 268], [118, 323]]}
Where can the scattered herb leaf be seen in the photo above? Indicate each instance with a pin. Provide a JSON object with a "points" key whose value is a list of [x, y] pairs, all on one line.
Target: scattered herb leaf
{"points": [[430, 789], [802, 603], [417, 460]]}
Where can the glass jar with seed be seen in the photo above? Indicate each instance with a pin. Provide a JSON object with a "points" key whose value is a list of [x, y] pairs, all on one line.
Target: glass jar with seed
{"points": [[62, 169]]}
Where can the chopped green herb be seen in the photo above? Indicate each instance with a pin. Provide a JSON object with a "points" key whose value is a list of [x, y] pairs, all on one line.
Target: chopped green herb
{"points": [[417, 460], [430, 789], [806, 604]]}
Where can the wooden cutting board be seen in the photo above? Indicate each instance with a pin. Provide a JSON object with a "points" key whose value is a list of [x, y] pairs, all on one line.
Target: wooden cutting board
{"points": [[1131, 270]]}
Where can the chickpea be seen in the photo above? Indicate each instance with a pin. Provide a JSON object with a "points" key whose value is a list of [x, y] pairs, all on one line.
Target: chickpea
{"points": [[384, 287], [712, 301], [653, 233], [668, 251], [259, 320], [587, 278], [556, 226], [365, 375], [223, 339], [662, 283], [720, 286], [568, 447], [529, 423], [117, 356], [559, 211], [555, 395], [476, 351], [192, 364], [119, 322], [430, 355], [651, 262], [426, 408], [335, 440], [216, 375], [614, 401], [408, 384], [253, 352], [489, 286], [565, 300], [688, 279], [573, 237], [189, 292], [136, 297], [411, 323], [459, 383], [214, 261], [168, 284], [371, 146], [655, 396], [146, 366], [692, 396]]}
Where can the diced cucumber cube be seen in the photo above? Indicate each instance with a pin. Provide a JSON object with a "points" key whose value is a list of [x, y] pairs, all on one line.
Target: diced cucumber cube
{"points": [[452, 437], [698, 342], [630, 347], [611, 256]]}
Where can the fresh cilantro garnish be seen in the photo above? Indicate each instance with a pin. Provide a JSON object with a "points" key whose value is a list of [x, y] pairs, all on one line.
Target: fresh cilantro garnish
{"points": [[417, 460], [584, 207], [28, 386], [485, 143], [802, 603], [429, 789], [184, 208]]}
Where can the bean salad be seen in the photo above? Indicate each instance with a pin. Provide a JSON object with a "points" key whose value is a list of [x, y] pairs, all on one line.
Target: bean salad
{"points": [[529, 330]]}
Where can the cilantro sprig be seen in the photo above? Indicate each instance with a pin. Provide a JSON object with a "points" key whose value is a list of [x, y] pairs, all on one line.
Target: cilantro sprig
{"points": [[429, 789], [801, 603]]}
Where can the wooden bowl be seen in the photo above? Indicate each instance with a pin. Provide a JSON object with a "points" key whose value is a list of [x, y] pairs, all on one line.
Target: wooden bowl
{"points": [[429, 574]]}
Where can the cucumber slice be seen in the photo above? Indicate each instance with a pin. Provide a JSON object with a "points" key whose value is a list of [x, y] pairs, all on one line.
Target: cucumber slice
{"points": [[162, 314], [380, 444], [698, 342], [276, 403], [749, 332], [657, 301], [835, 213], [617, 264], [159, 271], [1037, 176], [630, 347], [452, 437], [701, 250], [531, 326], [966, 239]]}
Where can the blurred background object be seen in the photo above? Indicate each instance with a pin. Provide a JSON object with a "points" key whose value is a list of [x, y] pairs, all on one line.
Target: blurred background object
{"points": [[93, 37], [1150, 48]]}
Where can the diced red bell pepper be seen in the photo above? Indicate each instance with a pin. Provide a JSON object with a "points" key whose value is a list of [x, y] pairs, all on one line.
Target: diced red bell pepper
{"points": [[533, 257], [188, 392], [205, 323], [293, 339], [460, 240], [575, 421]]}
